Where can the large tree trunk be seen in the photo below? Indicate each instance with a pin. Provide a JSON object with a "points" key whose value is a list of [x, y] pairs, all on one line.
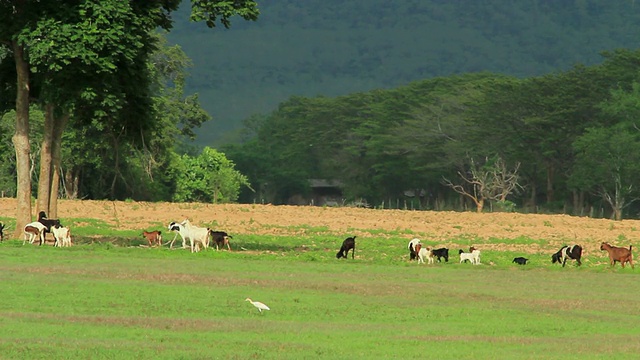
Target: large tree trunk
{"points": [[21, 141], [56, 160], [44, 184]]}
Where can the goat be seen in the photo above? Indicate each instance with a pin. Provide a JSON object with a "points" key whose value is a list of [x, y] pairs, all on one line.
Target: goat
{"points": [[34, 230], [197, 236], [473, 257], [221, 238], [413, 252], [441, 253], [520, 261], [49, 223], [179, 230], [619, 254], [62, 235], [425, 253], [567, 252], [1, 233], [348, 244], [153, 237]]}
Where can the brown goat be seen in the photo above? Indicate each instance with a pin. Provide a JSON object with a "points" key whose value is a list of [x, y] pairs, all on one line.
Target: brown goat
{"points": [[622, 255], [153, 237]]}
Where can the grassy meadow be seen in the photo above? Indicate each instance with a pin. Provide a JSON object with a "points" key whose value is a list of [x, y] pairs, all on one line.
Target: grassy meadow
{"points": [[110, 298]]}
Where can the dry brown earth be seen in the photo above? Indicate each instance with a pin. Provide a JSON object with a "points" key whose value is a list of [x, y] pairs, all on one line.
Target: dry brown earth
{"points": [[291, 220]]}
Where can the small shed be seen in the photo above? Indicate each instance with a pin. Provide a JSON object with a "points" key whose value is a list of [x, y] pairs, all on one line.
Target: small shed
{"points": [[326, 192]]}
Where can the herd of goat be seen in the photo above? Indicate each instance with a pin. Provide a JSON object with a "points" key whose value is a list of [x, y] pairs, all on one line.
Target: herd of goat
{"points": [[421, 253], [199, 238]]}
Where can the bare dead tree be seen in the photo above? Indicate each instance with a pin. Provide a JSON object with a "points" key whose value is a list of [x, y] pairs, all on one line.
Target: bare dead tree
{"points": [[492, 181]]}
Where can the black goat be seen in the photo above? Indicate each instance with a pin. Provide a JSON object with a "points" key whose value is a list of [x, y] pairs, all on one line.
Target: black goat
{"points": [[348, 244], [48, 223], [567, 252], [221, 238], [520, 261], [441, 253], [1, 233]]}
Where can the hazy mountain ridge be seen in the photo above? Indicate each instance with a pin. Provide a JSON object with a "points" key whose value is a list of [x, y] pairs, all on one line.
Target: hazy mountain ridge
{"points": [[334, 47]]}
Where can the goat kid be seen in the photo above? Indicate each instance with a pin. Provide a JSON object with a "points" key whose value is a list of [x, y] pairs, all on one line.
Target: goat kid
{"points": [[565, 253], [473, 257], [221, 238], [153, 237], [348, 244], [32, 231], [618, 254], [62, 235], [520, 260], [426, 253]]}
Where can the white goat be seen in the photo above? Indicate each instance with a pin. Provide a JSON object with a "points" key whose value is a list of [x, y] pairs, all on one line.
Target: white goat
{"points": [[426, 253], [32, 231], [473, 257], [62, 235], [197, 236]]}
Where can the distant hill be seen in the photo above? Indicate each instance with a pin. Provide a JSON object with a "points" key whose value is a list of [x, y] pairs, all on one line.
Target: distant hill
{"points": [[334, 47]]}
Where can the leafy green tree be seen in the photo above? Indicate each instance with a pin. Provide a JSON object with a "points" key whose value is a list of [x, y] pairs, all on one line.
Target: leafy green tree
{"points": [[90, 168], [607, 165], [608, 158], [210, 177]]}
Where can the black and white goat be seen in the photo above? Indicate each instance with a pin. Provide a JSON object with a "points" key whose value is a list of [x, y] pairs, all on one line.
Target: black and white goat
{"points": [[179, 229], [413, 252], [348, 244], [565, 253], [1, 233]]}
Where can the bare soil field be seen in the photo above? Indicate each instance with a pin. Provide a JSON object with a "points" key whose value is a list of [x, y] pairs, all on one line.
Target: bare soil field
{"points": [[442, 227]]}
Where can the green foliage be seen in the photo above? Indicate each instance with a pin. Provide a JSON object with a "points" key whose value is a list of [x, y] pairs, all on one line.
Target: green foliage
{"points": [[210, 177]]}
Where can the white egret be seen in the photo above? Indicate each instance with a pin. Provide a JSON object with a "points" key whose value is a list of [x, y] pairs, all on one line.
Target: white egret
{"points": [[260, 306]]}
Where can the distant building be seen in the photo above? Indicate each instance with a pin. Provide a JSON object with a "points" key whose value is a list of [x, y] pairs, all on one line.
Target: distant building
{"points": [[326, 192]]}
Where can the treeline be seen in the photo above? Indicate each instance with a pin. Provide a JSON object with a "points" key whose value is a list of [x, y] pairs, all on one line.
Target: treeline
{"points": [[571, 140]]}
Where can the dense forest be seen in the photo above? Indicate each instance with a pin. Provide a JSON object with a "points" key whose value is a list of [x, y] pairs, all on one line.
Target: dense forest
{"points": [[331, 48]]}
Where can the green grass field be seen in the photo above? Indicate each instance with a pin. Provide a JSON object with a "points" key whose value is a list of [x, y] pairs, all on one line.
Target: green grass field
{"points": [[111, 299]]}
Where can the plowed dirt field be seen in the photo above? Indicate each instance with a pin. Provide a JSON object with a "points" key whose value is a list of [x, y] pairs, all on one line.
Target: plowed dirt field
{"points": [[443, 227]]}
